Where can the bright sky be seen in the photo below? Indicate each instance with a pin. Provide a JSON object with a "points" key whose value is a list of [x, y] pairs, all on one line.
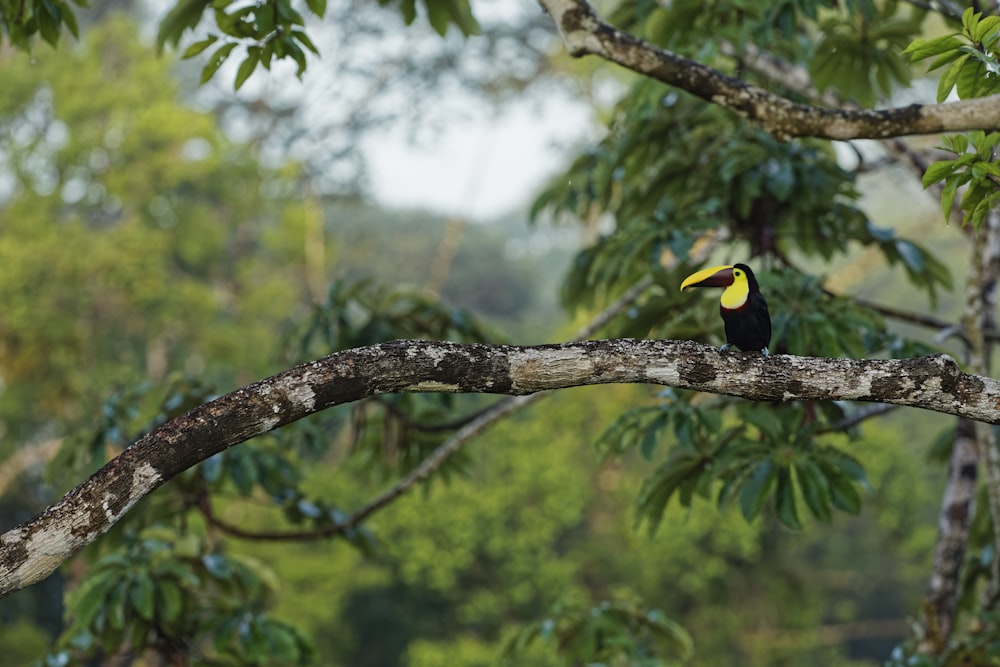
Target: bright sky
{"points": [[480, 169]]}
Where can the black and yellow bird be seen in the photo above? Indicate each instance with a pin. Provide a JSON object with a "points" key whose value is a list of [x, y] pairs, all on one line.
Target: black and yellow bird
{"points": [[743, 308]]}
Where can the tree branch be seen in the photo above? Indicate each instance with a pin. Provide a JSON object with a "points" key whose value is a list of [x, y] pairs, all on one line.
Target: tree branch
{"points": [[585, 33], [941, 596], [34, 549]]}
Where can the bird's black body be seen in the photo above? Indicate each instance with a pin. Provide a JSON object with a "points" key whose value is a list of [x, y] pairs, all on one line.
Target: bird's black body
{"points": [[748, 327], [743, 308]]}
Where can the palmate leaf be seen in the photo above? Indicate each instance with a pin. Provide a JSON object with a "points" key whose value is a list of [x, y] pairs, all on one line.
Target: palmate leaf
{"points": [[767, 456]]}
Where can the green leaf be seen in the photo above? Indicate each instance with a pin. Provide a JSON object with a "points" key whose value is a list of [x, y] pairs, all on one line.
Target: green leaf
{"points": [[925, 48], [911, 256], [970, 18], [844, 494], [948, 193], [408, 8], [787, 511], [943, 60], [757, 488], [86, 601], [116, 605], [69, 20], [937, 172], [847, 464], [649, 441], [990, 168], [215, 62], [48, 26], [306, 42], [141, 596], [247, 67], [169, 600], [678, 473], [461, 15], [185, 15], [317, 7], [969, 80], [956, 143], [288, 14], [437, 15], [200, 46], [987, 26], [950, 76], [815, 489]]}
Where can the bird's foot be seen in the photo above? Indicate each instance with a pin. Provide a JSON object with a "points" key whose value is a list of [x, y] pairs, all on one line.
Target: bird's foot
{"points": [[765, 352], [725, 347]]}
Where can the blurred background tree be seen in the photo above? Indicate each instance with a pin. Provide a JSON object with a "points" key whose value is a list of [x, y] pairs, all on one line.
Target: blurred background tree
{"points": [[163, 242]]}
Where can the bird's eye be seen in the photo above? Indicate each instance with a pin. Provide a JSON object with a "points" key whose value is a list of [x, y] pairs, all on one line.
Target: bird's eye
{"points": [[737, 273]]}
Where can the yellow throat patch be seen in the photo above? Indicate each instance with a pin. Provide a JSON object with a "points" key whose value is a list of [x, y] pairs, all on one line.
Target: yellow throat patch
{"points": [[735, 296]]}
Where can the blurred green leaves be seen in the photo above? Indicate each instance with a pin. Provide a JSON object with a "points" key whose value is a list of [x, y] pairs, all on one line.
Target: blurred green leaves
{"points": [[170, 589], [21, 20], [758, 454], [274, 30], [609, 633], [358, 312], [858, 54]]}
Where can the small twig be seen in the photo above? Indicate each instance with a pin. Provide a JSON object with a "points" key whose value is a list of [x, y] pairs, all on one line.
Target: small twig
{"points": [[947, 329], [857, 416], [415, 476], [410, 422], [438, 457]]}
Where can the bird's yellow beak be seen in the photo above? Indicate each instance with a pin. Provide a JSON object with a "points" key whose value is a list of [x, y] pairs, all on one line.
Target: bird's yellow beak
{"points": [[717, 276]]}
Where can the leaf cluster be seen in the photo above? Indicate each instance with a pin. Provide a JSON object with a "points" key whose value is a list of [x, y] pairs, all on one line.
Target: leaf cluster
{"points": [[361, 311], [972, 57], [268, 31], [274, 30], [21, 20], [765, 455], [976, 168], [171, 592], [609, 633]]}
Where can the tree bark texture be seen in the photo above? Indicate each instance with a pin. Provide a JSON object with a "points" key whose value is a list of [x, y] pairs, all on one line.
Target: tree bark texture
{"points": [[34, 549], [941, 597], [586, 33]]}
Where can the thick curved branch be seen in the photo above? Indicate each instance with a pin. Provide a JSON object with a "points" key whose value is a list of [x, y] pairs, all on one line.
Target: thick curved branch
{"points": [[34, 549], [585, 33]]}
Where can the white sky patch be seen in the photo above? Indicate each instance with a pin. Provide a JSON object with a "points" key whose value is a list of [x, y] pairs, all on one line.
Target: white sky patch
{"points": [[478, 169]]}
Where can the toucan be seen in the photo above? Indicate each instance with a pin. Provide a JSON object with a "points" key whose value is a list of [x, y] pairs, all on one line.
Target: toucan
{"points": [[743, 308]]}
